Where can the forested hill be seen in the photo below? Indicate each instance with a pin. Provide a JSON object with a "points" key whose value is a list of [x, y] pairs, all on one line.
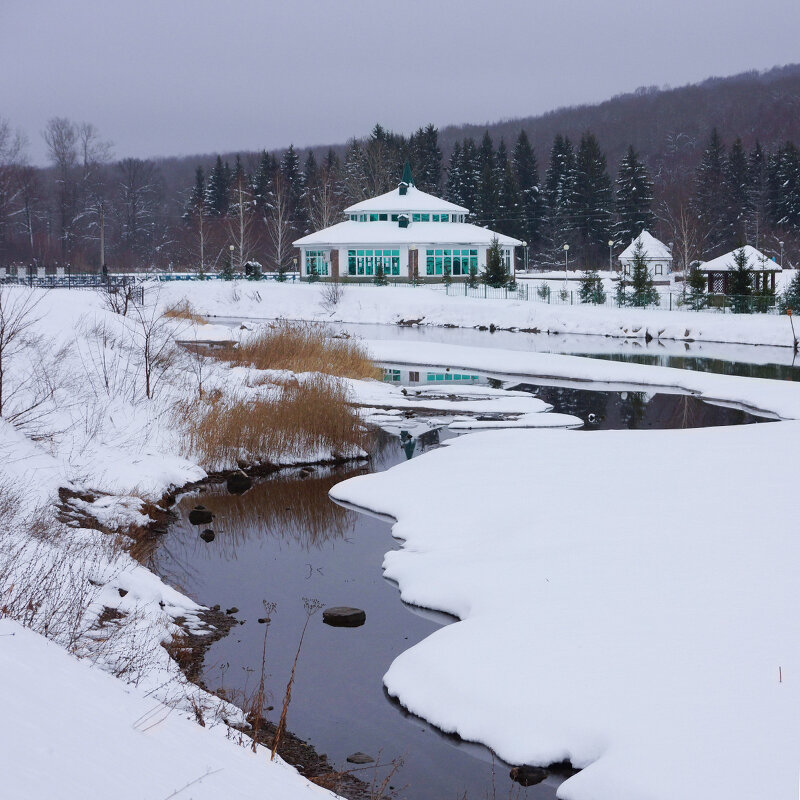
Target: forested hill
{"points": [[668, 127], [659, 122]]}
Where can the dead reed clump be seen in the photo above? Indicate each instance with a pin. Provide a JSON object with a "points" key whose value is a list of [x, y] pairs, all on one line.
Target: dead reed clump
{"points": [[184, 310], [302, 347], [300, 420]]}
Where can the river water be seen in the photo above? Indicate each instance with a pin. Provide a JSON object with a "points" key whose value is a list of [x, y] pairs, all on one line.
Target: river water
{"points": [[284, 541]]}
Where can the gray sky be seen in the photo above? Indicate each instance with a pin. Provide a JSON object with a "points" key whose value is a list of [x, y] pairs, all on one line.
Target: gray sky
{"points": [[172, 77]]}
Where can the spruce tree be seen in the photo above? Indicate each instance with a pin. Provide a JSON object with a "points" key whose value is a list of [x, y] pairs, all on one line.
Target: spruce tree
{"points": [[293, 180], [531, 201], [592, 200], [426, 157], [592, 290], [495, 273], [354, 173], [790, 299], [709, 197], [784, 185], [508, 213], [758, 200], [262, 182], [380, 278], [453, 190], [217, 190], [736, 185], [227, 273], [642, 292], [485, 209], [696, 283], [634, 198], [558, 192], [740, 283], [470, 169]]}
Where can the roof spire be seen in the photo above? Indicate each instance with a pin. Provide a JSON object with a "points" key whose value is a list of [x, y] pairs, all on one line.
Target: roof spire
{"points": [[406, 180]]}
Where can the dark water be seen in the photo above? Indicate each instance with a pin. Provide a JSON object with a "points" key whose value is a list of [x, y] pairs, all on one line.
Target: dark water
{"points": [[779, 372], [284, 540]]}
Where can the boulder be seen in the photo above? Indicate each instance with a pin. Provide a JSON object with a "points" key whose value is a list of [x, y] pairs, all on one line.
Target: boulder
{"points": [[239, 483], [360, 758], [207, 535], [528, 776], [231, 610], [200, 515], [344, 617]]}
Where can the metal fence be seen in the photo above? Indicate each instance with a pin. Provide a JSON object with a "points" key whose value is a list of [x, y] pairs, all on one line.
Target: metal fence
{"points": [[667, 301]]}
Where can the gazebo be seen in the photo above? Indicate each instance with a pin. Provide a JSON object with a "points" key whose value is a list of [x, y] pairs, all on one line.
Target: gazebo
{"points": [[718, 269]]}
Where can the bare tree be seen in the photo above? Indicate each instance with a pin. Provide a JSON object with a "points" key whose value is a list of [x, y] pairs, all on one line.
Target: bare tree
{"points": [[324, 201], [685, 233], [12, 162], [136, 204], [61, 138], [241, 222], [154, 342], [279, 226]]}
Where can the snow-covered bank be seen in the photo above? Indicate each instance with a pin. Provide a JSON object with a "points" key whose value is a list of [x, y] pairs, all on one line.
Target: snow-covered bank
{"points": [[70, 731], [651, 640], [390, 305]]}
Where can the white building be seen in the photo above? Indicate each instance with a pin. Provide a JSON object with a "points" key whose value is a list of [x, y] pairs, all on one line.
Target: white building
{"points": [[407, 233], [656, 254]]}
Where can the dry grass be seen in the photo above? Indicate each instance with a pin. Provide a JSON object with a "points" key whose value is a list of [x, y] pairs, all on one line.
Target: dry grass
{"points": [[301, 420], [184, 310], [302, 347]]}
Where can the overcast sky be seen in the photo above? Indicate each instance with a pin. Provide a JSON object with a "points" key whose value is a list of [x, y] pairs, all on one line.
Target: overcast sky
{"points": [[172, 77]]}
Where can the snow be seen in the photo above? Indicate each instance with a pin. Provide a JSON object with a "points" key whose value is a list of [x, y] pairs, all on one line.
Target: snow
{"points": [[392, 304], [756, 260], [69, 730], [654, 250], [647, 636], [413, 200], [363, 234]]}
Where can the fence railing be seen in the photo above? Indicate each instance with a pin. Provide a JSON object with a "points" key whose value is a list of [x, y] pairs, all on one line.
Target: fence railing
{"points": [[664, 301]]}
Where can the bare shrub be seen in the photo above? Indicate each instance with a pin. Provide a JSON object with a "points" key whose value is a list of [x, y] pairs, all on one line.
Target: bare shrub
{"points": [[153, 339], [331, 295], [302, 347], [118, 299], [298, 420]]}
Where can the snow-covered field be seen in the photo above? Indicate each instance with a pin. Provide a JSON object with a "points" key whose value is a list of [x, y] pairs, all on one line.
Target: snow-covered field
{"points": [[644, 630], [389, 305], [76, 416]]}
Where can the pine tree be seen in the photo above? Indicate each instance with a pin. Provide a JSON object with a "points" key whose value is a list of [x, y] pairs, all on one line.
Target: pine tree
{"points": [[217, 190], [293, 179], [526, 173], [508, 212], [592, 290], [261, 186], [426, 158], [709, 198], [454, 189], [643, 292], [558, 192], [470, 175], [791, 295], [592, 200], [696, 282], [355, 173], [740, 285], [736, 185], [784, 185], [758, 199], [485, 209], [472, 279], [634, 198], [380, 278], [227, 273], [197, 196], [495, 273]]}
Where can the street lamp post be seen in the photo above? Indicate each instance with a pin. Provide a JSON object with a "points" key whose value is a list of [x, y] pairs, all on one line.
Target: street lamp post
{"points": [[566, 264], [610, 257], [781, 244], [230, 248]]}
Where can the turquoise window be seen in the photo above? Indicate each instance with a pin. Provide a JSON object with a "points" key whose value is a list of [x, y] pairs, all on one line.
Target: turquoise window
{"points": [[415, 217], [395, 217], [382, 217], [391, 375], [444, 217], [316, 262], [367, 262], [458, 262], [373, 217], [425, 217], [435, 218]]}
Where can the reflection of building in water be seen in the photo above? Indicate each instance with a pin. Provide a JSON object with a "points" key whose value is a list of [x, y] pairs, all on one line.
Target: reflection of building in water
{"points": [[410, 377]]}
